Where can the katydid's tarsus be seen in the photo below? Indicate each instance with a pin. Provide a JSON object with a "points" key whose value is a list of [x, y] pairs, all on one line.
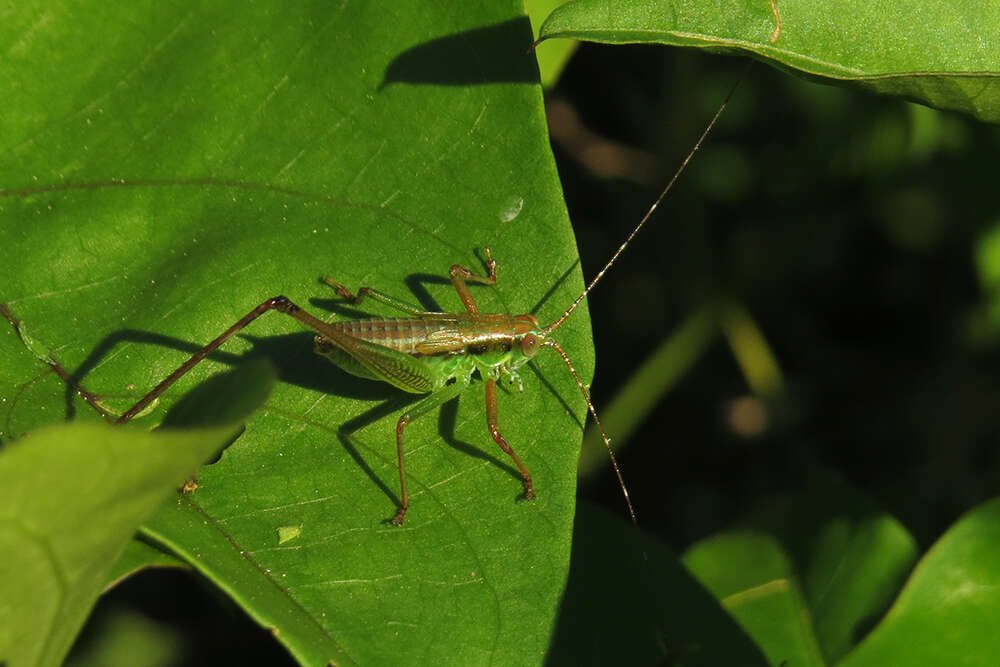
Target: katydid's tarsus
{"points": [[436, 353]]}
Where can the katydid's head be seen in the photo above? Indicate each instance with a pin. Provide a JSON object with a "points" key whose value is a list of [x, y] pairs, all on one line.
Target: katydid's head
{"points": [[529, 333], [533, 337]]}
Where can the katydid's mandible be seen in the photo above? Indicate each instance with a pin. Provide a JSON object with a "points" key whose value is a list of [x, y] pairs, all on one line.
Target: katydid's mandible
{"points": [[436, 353]]}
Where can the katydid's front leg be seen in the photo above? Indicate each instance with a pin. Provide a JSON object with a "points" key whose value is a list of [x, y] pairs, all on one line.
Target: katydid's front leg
{"points": [[492, 425]]}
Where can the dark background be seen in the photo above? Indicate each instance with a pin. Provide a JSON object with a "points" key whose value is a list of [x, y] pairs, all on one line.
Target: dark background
{"points": [[848, 227]]}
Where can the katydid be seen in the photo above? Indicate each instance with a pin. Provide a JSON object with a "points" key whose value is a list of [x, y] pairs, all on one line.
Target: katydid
{"points": [[434, 353]]}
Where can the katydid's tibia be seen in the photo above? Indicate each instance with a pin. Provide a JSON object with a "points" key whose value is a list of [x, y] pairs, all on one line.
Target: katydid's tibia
{"points": [[436, 354]]}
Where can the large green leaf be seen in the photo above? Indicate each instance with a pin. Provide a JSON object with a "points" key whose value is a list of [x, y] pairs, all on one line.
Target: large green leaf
{"points": [[166, 168], [73, 495], [943, 54]]}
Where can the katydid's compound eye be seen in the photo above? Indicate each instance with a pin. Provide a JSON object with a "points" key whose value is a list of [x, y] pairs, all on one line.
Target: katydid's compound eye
{"points": [[529, 345]]}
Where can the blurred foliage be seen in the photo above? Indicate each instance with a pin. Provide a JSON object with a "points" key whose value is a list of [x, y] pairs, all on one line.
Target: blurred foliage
{"points": [[856, 238], [859, 234]]}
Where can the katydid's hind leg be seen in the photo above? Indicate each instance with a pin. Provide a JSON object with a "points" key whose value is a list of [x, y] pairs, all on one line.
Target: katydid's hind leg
{"points": [[279, 303], [491, 423], [460, 275], [372, 293], [422, 407]]}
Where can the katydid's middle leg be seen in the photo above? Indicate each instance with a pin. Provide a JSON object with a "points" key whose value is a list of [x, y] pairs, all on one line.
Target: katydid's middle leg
{"points": [[422, 407]]}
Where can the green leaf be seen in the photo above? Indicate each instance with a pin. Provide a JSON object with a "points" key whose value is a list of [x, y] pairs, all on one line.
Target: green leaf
{"points": [[73, 496], [849, 557], [947, 612], [167, 168], [943, 54], [753, 578], [223, 398], [810, 572]]}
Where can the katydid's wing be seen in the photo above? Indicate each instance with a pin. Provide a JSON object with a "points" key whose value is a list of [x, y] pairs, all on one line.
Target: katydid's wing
{"points": [[344, 361], [441, 342], [397, 368]]}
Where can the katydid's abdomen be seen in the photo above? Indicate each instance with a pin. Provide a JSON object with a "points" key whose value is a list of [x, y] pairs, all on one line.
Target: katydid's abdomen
{"points": [[435, 333]]}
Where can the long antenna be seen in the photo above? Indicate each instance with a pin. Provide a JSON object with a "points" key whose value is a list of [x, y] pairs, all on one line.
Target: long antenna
{"points": [[551, 342], [600, 274]]}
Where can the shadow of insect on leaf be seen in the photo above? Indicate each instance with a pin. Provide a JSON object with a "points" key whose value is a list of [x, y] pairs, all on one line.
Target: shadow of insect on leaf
{"points": [[446, 431]]}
